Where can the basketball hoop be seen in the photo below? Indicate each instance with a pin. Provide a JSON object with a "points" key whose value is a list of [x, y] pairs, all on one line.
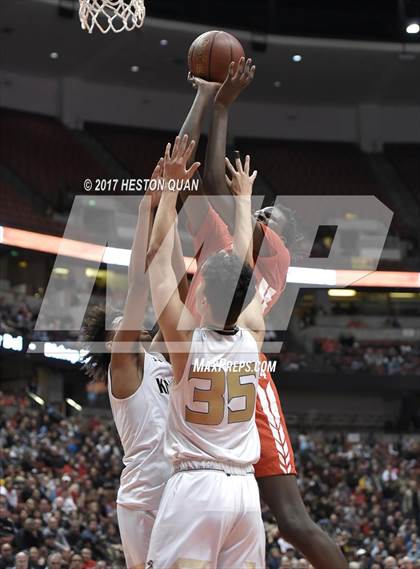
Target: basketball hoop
{"points": [[111, 15]]}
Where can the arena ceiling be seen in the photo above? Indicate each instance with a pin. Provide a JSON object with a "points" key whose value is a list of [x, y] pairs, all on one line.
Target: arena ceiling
{"points": [[352, 19], [332, 71]]}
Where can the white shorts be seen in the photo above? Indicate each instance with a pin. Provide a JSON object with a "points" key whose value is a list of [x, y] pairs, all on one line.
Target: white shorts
{"points": [[135, 529], [208, 520]]}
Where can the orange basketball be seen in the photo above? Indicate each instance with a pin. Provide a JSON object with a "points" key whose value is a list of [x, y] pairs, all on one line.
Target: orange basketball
{"points": [[211, 54]]}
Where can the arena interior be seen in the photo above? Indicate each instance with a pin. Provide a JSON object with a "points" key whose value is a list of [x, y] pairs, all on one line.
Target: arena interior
{"points": [[334, 110]]}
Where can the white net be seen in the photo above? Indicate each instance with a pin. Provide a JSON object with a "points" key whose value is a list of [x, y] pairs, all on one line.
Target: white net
{"points": [[111, 15]]}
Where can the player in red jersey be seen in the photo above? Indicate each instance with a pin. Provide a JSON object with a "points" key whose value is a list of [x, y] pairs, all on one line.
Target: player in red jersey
{"points": [[211, 231]]}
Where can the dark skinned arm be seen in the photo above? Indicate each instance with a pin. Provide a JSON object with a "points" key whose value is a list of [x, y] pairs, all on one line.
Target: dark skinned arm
{"points": [[196, 209], [238, 78]]}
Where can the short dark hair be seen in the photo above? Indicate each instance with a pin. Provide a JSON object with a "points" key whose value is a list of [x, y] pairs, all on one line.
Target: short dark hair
{"points": [[226, 276], [290, 231], [96, 362]]}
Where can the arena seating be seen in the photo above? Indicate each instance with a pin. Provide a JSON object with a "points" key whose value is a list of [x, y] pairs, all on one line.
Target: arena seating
{"points": [[377, 358], [60, 498], [45, 155], [137, 150], [406, 160], [311, 168], [52, 162], [25, 215]]}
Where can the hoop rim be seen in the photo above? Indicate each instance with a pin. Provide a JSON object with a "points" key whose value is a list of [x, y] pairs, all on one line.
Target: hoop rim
{"points": [[111, 15]]}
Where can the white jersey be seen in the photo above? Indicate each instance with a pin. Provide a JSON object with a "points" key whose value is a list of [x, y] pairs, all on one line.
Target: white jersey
{"points": [[141, 421], [212, 408]]}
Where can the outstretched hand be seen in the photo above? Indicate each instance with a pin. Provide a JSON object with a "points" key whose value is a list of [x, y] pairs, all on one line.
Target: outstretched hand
{"points": [[239, 76], [176, 160], [240, 183]]}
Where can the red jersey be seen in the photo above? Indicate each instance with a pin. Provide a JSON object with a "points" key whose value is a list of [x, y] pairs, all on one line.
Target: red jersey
{"points": [[277, 458], [270, 270]]}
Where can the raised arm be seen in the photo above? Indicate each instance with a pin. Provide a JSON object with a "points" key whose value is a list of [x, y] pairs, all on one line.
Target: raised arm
{"points": [[240, 185], [238, 78], [165, 294], [197, 209], [193, 124], [127, 354]]}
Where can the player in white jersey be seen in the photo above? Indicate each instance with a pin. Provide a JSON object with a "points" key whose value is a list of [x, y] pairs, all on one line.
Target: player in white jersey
{"points": [[210, 515], [140, 420], [138, 387]]}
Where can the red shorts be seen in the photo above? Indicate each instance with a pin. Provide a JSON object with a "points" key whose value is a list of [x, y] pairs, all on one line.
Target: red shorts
{"points": [[277, 456]]}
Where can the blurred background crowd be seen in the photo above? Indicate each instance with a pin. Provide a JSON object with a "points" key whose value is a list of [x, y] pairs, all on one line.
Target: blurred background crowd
{"points": [[333, 112], [59, 477]]}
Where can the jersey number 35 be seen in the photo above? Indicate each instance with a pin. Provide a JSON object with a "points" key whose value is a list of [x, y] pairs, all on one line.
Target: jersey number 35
{"points": [[225, 392]]}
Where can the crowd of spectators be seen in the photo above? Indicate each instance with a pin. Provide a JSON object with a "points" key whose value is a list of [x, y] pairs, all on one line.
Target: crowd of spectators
{"points": [[344, 355], [365, 494], [333, 356], [15, 318], [19, 319], [59, 476], [57, 491]]}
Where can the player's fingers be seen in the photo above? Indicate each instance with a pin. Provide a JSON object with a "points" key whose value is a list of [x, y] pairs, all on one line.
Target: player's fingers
{"points": [[168, 151], [252, 71], [228, 181], [237, 156], [158, 169], [158, 166], [231, 72], [229, 166], [238, 162], [235, 70], [193, 169], [254, 175], [247, 163], [190, 150], [183, 145], [175, 149], [191, 79], [248, 65], [241, 66]]}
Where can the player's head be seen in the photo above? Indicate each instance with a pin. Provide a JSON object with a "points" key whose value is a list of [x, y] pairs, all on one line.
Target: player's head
{"points": [[99, 342], [282, 220], [225, 277]]}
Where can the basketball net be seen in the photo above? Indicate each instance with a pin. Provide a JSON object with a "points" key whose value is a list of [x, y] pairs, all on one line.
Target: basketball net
{"points": [[111, 15]]}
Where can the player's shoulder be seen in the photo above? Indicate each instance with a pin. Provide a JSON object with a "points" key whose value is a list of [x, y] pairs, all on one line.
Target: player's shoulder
{"points": [[156, 359], [158, 372], [273, 238]]}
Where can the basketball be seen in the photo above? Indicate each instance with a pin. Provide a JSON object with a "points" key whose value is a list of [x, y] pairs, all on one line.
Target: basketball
{"points": [[211, 54]]}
